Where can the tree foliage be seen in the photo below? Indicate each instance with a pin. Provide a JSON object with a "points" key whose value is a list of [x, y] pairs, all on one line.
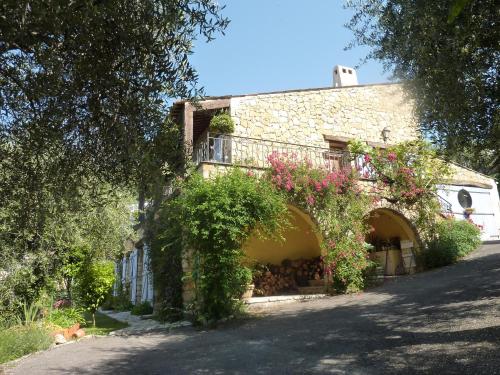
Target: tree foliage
{"points": [[448, 53], [34, 259], [90, 79], [84, 89]]}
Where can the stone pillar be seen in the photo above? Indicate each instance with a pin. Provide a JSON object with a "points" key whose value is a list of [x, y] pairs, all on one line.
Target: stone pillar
{"points": [[188, 288]]}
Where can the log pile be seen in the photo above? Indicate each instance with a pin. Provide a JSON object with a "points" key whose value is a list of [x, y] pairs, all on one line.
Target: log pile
{"points": [[270, 279]]}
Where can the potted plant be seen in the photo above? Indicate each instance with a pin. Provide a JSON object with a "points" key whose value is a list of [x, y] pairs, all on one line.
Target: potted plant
{"points": [[220, 126], [468, 211]]}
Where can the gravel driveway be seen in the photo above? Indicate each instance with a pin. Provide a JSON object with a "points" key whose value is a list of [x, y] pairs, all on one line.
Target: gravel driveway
{"points": [[445, 321]]}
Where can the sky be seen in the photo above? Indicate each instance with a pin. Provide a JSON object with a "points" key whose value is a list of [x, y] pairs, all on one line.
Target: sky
{"points": [[275, 45]]}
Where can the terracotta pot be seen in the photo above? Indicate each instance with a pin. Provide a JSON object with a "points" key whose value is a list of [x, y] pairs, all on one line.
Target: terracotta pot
{"points": [[248, 292], [69, 332], [79, 334]]}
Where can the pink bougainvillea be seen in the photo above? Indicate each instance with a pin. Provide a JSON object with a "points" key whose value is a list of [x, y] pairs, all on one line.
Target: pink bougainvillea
{"points": [[334, 198]]}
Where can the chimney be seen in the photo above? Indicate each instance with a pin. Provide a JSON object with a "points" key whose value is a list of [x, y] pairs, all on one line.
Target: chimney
{"points": [[344, 76]]}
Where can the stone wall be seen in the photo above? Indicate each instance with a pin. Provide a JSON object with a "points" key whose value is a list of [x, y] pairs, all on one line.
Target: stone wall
{"points": [[304, 117]]}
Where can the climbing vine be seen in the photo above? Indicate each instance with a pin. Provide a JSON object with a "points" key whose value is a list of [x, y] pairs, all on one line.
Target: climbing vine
{"points": [[215, 217], [339, 205], [406, 176]]}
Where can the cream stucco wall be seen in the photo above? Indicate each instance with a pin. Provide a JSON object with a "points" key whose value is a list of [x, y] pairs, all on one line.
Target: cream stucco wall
{"points": [[304, 117], [300, 241]]}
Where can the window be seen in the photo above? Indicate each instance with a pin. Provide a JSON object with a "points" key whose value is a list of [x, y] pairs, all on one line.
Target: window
{"points": [[335, 159]]}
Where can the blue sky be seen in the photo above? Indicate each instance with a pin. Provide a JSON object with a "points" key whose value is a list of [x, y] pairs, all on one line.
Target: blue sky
{"points": [[274, 45]]}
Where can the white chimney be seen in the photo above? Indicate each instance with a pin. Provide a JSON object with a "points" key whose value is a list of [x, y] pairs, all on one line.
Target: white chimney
{"points": [[344, 76]]}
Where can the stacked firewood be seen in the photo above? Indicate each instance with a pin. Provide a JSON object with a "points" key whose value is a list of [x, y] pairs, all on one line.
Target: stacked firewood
{"points": [[270, 279]]}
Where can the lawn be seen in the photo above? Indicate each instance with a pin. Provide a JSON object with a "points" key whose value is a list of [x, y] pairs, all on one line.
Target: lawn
{"points": [[103, 324]]}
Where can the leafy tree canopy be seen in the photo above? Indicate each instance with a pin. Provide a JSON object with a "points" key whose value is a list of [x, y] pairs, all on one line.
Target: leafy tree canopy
{"points": [[86, 82], [448, 52], [84, 89]]}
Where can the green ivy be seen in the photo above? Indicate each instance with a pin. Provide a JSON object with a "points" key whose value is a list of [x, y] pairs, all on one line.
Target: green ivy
{"points": [[215, 217], [165, 238]]}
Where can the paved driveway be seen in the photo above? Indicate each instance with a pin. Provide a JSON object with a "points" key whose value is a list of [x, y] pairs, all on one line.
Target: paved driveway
{"points": [[443, 322]]}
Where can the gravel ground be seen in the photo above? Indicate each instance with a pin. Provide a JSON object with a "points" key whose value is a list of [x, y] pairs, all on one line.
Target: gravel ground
{"points": [[445, 321]]}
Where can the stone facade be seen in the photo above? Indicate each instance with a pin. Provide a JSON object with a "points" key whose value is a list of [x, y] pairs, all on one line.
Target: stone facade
{"points": [[306, 117]]}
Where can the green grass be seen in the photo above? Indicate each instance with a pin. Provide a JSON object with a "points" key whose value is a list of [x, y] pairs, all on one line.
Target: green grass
{"points": [[18, 341], [103, 324]]}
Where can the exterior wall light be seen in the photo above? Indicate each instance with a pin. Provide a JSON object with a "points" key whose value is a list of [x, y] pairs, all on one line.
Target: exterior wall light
{"points": [[385, 133]]}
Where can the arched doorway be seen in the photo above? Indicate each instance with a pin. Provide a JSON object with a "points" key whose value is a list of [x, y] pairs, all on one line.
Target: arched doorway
{"points": [[301, 240], [291, 266], [393, 240]]}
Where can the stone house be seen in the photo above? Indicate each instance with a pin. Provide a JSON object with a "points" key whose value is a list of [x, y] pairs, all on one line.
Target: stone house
{"points": [[317, 124]]}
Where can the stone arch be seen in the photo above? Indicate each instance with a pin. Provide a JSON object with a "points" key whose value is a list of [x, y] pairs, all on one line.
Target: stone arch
{"points": [[398, 223], [391, 233], [301, 240]]}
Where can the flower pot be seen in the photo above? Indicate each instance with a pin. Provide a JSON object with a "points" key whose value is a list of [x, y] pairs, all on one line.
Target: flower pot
{"points": [[67, 332], [248, 292]]}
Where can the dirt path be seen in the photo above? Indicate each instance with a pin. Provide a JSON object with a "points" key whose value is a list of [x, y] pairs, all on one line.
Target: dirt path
{"points": [[442, 322]]}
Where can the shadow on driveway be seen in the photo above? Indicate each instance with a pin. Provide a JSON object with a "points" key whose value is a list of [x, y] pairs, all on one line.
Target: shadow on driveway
{"points": [[445, 321]]}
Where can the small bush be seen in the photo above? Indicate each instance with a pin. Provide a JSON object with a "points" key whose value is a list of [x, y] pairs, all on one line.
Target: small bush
{"points": [[65, 317], [120, 302], [21, 340], [222, 123], [95, 281], [144, 308], [454, 240]]}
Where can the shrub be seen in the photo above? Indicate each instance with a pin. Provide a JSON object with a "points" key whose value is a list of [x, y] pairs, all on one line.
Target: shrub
{"points": [[217, 217], [222, 123], [94, 281], [65, 317], [454, 239], [29, 315], [120, 302], [21, 340], [143, 308]]}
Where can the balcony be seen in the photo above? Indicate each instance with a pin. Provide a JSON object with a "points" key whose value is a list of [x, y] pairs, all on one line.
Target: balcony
{"points": [[253, 153]]}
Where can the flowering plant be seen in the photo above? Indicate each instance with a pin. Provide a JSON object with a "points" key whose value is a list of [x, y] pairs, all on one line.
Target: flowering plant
{"points": [[406, 175], [338, 204]]}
